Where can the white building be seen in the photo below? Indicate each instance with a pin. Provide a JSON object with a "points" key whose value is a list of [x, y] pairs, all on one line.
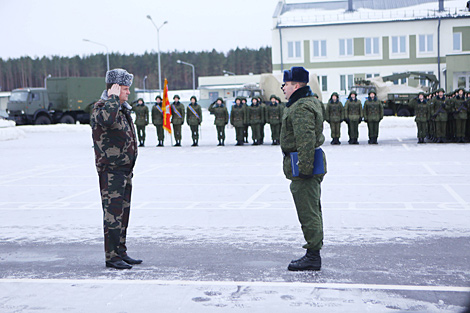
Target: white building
{"points": [[348, 39]]}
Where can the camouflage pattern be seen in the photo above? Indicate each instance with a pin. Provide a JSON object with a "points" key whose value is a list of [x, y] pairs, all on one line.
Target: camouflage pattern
{"points": [[237, 119], [115, 146], [373, 114], [141, 120], [221, 118], [254, 117], [194, 121], [334, 115], [439, 108], [176, 120], [422, 116], [302, 132], [460, 112], [353, 116], [157, 120], [274, 114]]}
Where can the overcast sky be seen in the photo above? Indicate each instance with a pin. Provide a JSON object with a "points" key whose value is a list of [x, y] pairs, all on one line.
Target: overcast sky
{"points": [[57, 27]]}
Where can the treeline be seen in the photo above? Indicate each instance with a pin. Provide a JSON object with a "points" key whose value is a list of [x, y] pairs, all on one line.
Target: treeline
{"points": [[28, 72]]}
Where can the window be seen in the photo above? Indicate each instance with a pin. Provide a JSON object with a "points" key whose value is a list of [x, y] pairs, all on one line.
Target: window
{"points": [[319, 48], [398, 44], [293, 50], [425, 82], [457, 42], [426, 43], [323, 81], [372, 46], [345, 47], [346, 85]]}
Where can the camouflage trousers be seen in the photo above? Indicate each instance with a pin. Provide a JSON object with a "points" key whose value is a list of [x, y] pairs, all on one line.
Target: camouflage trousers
{"points": [[177, 130], [256, 132], [194, 131], [460, 127], [373, 129], [335, 129], [116, 189], [220, 132], [160, 132], [422, 129], [353, 129], [240, 133], [306, 194], [245, 132], [275, 131], [261, 132], [141, 133], [441, 129]]}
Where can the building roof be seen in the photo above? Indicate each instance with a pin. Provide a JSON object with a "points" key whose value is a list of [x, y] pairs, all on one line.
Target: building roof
{"points": [[288, 13]]}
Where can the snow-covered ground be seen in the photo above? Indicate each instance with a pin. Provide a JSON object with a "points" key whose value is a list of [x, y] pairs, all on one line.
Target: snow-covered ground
{"points": [[216, 226]]}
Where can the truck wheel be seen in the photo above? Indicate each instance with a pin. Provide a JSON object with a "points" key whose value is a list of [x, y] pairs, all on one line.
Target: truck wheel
{"points": [[42, 120], [67, 119], [403, 112]]}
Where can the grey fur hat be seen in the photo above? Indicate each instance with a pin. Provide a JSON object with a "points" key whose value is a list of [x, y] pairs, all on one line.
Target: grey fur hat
{"points": [[119, 76]]}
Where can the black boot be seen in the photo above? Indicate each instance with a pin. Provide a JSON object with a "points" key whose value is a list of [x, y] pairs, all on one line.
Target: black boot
{"points": [[220, 143], [223, 142], [440, 140], [355, 142], [239, 143], [194, 143], [141, 143], [337, 141], [311, 261], [118, 264], [160, 143], [178, 143], [130, 260], [374, 141], [255, 143]]}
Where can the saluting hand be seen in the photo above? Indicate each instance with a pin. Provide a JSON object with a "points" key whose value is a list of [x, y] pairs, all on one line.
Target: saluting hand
{"points": [[114, 90]]}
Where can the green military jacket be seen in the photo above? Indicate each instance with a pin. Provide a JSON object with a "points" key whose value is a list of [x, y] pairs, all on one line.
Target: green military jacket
{"points": [[302, 131], [157, 114], [237, 116], [422, 113], [141, 115], [334, 112], [194, 114], [254, 115], [274, 114], [221, 114], [460, 108], [373, 110], [439, 108], [353, 110], [177, 113]]}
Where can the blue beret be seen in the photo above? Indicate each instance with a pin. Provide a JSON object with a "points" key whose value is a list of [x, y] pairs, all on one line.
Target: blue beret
{"points": [[296, 74]]}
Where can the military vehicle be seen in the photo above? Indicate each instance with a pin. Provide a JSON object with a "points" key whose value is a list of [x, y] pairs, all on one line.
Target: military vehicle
{"points": [[64, 100]]}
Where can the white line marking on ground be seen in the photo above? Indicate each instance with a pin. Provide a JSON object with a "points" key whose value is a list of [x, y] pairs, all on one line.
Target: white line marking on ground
{"points": [[256, 195], [429, 169], [406, 147], [237, 283], [456, 196]]}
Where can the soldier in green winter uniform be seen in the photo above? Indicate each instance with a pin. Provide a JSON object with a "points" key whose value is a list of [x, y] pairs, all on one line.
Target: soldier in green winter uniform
{"points": [[451, 124], [157, 120], [245, 124], [177, 118], [254, 118], [439, 108], [421, 108], [467, 127], [460, 112], [302, 132], [373, 114], [221, 119], [237, 119], [115, 146], [141, 120], [431, 126], [263, 119], [334, 115], [353, 116], [194, 119], [273, 117]]}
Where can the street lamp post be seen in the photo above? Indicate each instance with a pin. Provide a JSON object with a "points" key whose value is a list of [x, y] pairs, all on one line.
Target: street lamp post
{"points": [[45, 80], [145, 78], [228, 73], [158, 42], [107, 51], [194, 76]]}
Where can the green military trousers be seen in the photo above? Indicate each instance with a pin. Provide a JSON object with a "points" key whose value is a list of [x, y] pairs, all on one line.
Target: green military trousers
{"points": [[115, 189], [373, 129], [441, 129], [335, 129], [194, 131], [239, 133], [256, 132], [160, 133], [306, 194], [141, 133], [422, 129], [220, 132], [353, 129], [275, 131], [177, 130], [460, 127]]}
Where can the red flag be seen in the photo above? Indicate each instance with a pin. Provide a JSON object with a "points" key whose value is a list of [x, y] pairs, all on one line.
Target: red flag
{"points": [[166, 108]]}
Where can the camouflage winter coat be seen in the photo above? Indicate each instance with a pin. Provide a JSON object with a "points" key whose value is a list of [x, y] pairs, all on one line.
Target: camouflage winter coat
{"points": [[113, 134], [237, 116], [157, 114], [373, 110]]}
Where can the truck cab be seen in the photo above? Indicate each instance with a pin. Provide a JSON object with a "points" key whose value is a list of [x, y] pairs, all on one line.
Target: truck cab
{"points": [[29, 106]]}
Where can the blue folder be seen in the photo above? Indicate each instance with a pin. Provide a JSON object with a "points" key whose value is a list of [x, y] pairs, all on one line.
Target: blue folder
{"points": [[318, 166]]}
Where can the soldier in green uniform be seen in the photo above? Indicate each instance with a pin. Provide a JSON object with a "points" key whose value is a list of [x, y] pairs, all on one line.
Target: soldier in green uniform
{"points": [[194, 119], [421, 108], [460, 112], [353, 116], [302, 133], [373, 114], [177, 118], [263, 119], [273, 117], [141, 120], [451, 123], [245, 124], [237, 119], [467, 127], [220, 111], [439, 108], [334, 115], [157, 120], [115, 146], [254, 118]]}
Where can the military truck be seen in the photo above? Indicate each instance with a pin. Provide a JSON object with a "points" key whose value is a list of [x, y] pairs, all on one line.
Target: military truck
{"points": [[64, 100]]}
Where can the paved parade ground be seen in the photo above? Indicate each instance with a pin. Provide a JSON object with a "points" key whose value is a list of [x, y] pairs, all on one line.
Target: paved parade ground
{"points": [[216, 227]]}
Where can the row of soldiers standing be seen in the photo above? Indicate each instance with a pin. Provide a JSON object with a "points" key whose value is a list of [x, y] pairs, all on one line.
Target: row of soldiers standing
{"points": [[242, 116]]}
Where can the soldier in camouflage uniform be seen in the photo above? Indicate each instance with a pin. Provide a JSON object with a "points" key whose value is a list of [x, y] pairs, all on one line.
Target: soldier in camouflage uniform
{"points": [[273, 116], [373, 114], [353, 116], [194, 119], [157, 120], [254, 118], [177, 118], [460, 112], [334, 115], [421, 108], [221, 119], [141, 120], [115, 146], [245, 124], [263, 119], [439, 108], [237, 118], [302, 132]]}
